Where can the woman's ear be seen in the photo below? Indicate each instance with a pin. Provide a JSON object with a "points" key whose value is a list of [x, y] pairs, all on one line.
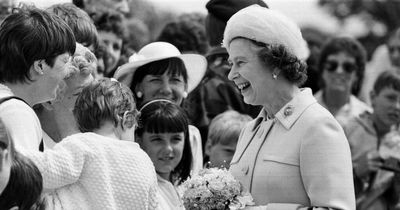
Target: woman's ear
{"points": [[276, 71], [138, 92], [36, 69], [128, 120]]}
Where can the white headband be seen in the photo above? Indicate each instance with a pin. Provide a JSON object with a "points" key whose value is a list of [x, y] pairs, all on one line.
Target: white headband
{"points": [[154, 101]]}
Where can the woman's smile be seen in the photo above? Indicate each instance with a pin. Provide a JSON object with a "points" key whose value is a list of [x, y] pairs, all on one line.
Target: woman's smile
{"points": [[243, 86]]}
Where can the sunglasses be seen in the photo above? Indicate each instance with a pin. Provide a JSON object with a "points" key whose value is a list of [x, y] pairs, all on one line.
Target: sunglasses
{"points": [[332, 66], [392, 49]]}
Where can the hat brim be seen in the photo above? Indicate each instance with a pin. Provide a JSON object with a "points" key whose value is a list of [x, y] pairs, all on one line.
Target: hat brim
{"points": [[196, 66]]}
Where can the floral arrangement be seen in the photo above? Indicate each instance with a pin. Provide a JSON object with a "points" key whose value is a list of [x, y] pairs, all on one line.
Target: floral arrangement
{"points": [[214, 188], [390, 146]]}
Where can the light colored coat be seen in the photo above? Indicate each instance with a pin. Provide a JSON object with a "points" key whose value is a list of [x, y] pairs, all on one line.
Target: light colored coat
{"points": [[302, 161]]}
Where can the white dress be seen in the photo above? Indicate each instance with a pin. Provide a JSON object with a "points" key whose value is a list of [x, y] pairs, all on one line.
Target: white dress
{"points": [[169, 197]]}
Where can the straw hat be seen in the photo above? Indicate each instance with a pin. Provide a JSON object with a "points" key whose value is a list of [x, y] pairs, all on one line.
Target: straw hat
{"points": [[196, 65]]}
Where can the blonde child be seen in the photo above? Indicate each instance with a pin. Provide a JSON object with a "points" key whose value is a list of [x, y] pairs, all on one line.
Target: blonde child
{"points": [[95, 169]]}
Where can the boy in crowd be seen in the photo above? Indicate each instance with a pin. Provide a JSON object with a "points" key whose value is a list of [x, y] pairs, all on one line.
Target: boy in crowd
{"points": [[376, 188], [223, 135]]}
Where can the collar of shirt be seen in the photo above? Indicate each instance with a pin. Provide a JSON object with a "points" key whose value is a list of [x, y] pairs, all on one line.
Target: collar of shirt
{"points": [[4, 90], [344, 110], [291, 111]]}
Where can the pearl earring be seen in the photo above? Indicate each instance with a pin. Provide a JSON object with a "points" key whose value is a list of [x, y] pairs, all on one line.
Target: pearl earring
{"points": [[139, 94], [274, 76], [185, 94]]}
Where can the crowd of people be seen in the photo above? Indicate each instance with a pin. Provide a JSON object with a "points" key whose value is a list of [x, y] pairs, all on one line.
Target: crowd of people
{"points": [[91, 118]]}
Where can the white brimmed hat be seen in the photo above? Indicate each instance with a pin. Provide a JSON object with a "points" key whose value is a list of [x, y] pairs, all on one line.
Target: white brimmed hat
{"points": [[196, 65]]}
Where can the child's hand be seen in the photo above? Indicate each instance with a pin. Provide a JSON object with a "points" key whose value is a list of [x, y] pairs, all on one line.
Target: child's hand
{"points": [[83, 61], [82, 65]]}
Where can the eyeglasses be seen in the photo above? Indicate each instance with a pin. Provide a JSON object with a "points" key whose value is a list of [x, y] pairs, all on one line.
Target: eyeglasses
{"points": [[332, 66]]}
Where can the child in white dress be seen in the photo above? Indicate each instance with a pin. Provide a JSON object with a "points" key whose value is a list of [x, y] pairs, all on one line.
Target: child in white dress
{"points": [[95, 169], [163, 133]]}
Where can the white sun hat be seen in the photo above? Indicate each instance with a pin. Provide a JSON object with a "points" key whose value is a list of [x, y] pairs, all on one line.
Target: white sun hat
{"points": [[196, 65]]}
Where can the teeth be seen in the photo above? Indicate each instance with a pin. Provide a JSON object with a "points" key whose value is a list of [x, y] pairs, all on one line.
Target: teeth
{"points": [[243, 85]]}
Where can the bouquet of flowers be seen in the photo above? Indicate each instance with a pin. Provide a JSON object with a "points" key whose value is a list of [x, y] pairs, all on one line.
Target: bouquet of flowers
{"points": [[390, 146], [389, 150], [214, 188]]}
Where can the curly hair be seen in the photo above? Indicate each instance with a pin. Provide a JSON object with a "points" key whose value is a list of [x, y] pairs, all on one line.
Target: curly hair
{"points": [[110, 21], [100, 101], [351, 47], [292, 68]]}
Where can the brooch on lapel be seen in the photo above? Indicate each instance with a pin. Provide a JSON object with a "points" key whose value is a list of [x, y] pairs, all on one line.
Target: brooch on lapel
{"points": [[288, 111]]}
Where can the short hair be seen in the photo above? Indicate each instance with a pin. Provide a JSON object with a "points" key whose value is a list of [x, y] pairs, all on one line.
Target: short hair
{"points": [[387, 79], [110, 21], [28, 35], [24, 187], [174, 66], [101, 101], [187, 33], [350, 46], [276, 55], [79, 21], [166, 117], [226, 127]]}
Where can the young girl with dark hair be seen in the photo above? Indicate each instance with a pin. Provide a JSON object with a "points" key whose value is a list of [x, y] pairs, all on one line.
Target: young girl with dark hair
{"points": [[163, 134]]}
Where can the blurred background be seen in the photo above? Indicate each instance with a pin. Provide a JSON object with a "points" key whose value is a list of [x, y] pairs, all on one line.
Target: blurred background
{"points": [[369, 21]]}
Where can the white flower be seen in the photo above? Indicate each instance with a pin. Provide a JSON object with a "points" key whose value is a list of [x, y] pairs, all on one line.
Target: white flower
{"points": [[214, 188]]}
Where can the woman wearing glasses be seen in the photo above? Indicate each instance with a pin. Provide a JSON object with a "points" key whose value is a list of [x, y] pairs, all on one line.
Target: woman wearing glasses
{"points": [[342, 62]]}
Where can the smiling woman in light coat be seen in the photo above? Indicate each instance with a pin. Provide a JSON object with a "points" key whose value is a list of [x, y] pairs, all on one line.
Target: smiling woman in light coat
{"points": [[294, 155]]}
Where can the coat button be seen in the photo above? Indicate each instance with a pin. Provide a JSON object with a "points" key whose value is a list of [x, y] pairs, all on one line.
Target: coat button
{"points": [[245, 169]]}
